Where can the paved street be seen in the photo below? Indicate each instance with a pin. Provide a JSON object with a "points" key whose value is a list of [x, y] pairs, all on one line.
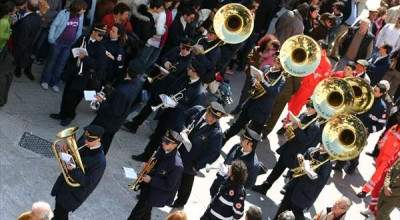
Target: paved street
{"points": [[26, 177]]}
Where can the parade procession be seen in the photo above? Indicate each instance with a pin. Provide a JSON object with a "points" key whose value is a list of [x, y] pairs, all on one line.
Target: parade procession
{"points": [[200, 109]]}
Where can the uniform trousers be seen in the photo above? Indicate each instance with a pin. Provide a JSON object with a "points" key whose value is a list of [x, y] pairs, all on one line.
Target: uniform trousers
{"points": [[60, 213], [386, 205], [106, 140], [245, 92], [184, 189], [240, 123], [70, 100], [143, 114], [142, 209], [156, 137], [276, 172], [287, 204], [291, 86]]}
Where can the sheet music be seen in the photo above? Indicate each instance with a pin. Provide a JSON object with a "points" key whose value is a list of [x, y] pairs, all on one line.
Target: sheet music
{"points": [[256, 73], [67, 159], [168, 102], [89, 95], [293, 118], [76, 50], [186, 141], [310, 173], [130, 173]]}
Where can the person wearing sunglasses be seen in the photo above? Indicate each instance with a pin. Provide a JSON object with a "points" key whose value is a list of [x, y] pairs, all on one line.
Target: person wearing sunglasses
{"points": [[68, 198], [88, 75], [205, 139], [158, 188]]}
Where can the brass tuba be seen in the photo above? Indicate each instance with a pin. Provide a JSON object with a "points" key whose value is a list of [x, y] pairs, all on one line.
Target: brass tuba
{"points": [[68, 137], [233, 23], [300, 55], [363, 95], [343, 138]]}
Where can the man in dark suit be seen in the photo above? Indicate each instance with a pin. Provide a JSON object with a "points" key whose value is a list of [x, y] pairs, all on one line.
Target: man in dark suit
{"points": [[303, 139], [158, 188], [379, 64], [246, 152], [258, 109], [180, 28], [191, 90], [302, 192], [204, 148], [92, 74], [25, 32], [176, 61], [69, 198], [118, 104]]}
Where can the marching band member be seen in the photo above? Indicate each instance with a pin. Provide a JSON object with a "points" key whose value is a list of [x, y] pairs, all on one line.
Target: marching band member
{"points": [[192, 95], [258, 109], [246, 152], [70, 198], [228, 201], [118, 104], [374, 120], [114, 45], [304, 139], [179, 59], [92, 75], [158, 188], [302, 192], [206, 143]]}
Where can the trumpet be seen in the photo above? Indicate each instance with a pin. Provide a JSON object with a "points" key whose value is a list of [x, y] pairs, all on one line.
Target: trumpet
{"points": [[95, 105], [146, 170], [151, 163], [178, 96], [163, 72], [79, 62]]}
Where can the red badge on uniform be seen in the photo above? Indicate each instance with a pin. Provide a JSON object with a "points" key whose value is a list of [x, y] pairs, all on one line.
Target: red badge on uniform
{"points": [[232, 192], [384, 116], [119, 58], [238, 205]]}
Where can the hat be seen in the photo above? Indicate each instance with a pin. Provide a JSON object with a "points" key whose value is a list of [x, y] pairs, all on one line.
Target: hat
{"points": [[211, 30], [102, 28], [251, 135], [386, 83], [136, 66], [216, 110], [93, 131], [198, 67], [363, 62], [186, 42], [310, 103], [173, 136]]}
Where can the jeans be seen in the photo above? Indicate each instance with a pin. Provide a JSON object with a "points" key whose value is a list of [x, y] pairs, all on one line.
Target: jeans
{"points": [[58, 57], [149, 55]]}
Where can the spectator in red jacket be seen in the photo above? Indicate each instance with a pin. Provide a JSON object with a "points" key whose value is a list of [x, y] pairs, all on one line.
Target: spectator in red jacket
{"points": [[120, 15]]}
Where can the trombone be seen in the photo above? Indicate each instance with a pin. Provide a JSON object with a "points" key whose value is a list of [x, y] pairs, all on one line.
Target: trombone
{"points": [[163, 72], [178, 96]]}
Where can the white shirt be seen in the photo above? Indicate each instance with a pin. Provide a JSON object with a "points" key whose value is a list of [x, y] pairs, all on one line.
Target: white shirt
{"points": [[391, 35], [95, 147], [193, 80], [183, 22]]}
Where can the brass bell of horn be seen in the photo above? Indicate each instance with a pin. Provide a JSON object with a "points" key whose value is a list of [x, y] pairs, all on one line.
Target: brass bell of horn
{"points": [[344, 137], [332, 96], [233, 23], [300, 55], [363, 95]]}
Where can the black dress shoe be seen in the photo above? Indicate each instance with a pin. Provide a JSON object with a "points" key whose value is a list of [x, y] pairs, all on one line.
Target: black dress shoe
{"points": [[263, 188], [66, 121], [371, 154], [130, 126], [56, 116], [361, 194], [29, 74], [17, 72], [140, 157]]}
